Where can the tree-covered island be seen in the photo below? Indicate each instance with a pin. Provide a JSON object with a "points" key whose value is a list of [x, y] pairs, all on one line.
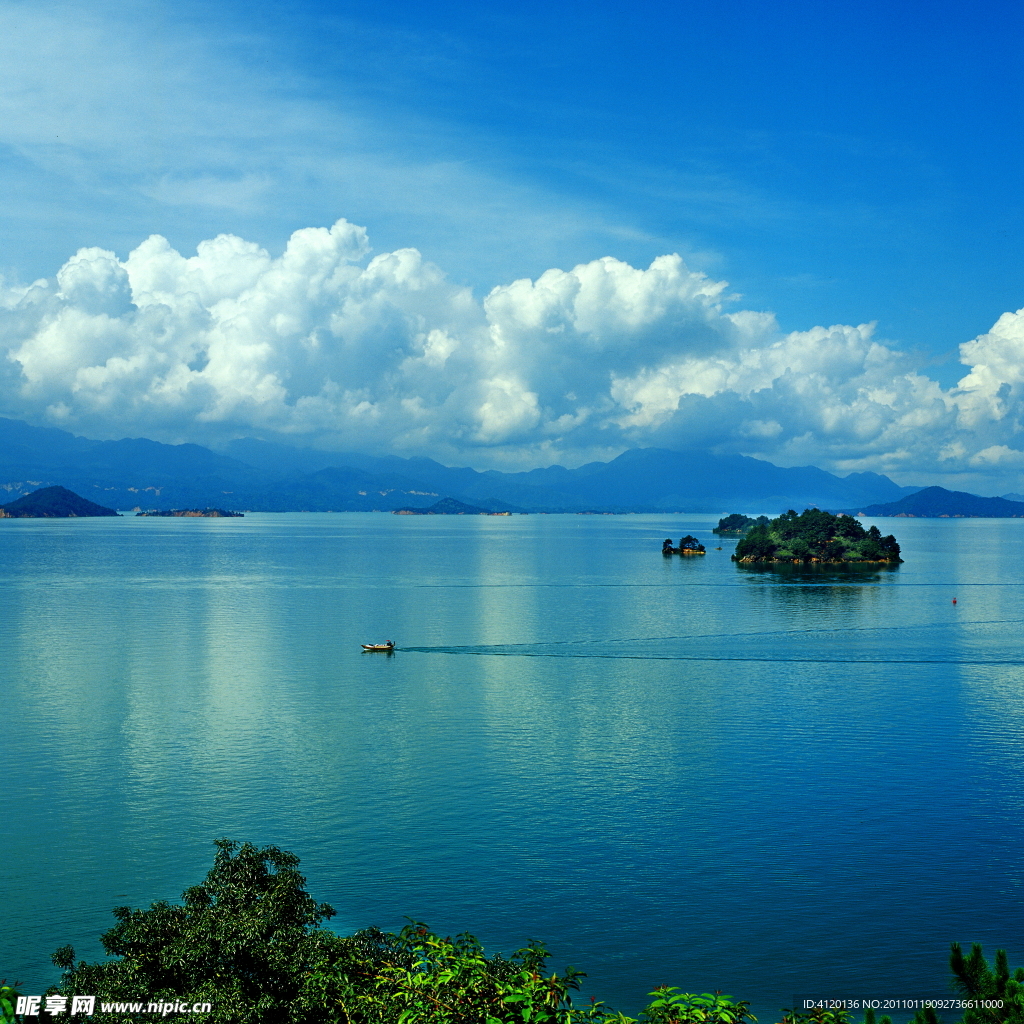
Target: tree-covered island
{"points": [[815, 536], [688, 545], [738, 525]]}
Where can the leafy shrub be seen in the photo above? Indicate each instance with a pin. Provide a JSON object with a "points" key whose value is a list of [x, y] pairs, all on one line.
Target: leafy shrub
{"points": [[8, 1000]]}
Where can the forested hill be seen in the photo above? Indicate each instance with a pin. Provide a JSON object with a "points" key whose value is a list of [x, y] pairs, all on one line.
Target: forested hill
{"points": [[938, 503], [53, 503]]}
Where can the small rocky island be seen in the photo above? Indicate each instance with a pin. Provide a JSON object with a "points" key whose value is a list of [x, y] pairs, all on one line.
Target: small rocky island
{"points": [[688, 545], [450, 507], [53, 503], [191, 513], [815, 536], [738, 525]]}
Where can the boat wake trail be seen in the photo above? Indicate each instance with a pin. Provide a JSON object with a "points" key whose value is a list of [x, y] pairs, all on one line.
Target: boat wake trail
{"points": [[977, 642]]}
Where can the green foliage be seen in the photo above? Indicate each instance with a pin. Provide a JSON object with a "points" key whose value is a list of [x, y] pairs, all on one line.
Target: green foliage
{"points": [[817, 1015], [690, 543], [815, 536], [800, 549], [249, 942], [757, 546], [8, 1000], [926, 1015], [975, 979], [821, 1015], [244, 941], [417, 977], [736, 525], [670, 1006]]}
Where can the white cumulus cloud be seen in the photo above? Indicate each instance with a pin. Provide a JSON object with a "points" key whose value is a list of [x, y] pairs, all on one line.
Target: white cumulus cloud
{"points": [[327, 346]]}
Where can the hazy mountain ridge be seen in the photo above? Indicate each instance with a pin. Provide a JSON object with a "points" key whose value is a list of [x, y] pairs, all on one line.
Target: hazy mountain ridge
{"points": [[938, 503], [637, 479], [264, 476]]}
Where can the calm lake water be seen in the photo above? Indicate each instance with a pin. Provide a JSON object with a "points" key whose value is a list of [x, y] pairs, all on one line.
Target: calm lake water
{"points": [[672, 771]]}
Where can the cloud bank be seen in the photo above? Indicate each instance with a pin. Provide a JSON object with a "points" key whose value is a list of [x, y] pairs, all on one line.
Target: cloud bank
{"points": [[326, 346]]}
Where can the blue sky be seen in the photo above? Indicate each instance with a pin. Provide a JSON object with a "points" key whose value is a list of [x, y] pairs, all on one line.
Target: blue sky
{"points": [[836, 164]]}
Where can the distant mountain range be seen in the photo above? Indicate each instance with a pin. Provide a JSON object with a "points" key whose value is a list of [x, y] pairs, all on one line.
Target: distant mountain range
{"points": [[938, 503], [261, 476]]}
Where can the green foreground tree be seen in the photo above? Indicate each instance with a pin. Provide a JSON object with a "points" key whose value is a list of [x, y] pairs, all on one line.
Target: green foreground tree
{"points": [[249, 941], [974, 979], [245, 941]]}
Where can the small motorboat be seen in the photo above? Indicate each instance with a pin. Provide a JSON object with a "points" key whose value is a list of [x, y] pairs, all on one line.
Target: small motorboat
{"points": [[389, 646]]}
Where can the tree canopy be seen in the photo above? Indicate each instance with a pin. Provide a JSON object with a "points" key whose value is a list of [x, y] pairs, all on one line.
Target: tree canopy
{"points": [[249, 942], [245, 940], [690, 543], [736, 525], [815, 536]]}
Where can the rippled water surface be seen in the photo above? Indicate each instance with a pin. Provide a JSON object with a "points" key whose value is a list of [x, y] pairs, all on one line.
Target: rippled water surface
{"points": [[672, 771]]}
